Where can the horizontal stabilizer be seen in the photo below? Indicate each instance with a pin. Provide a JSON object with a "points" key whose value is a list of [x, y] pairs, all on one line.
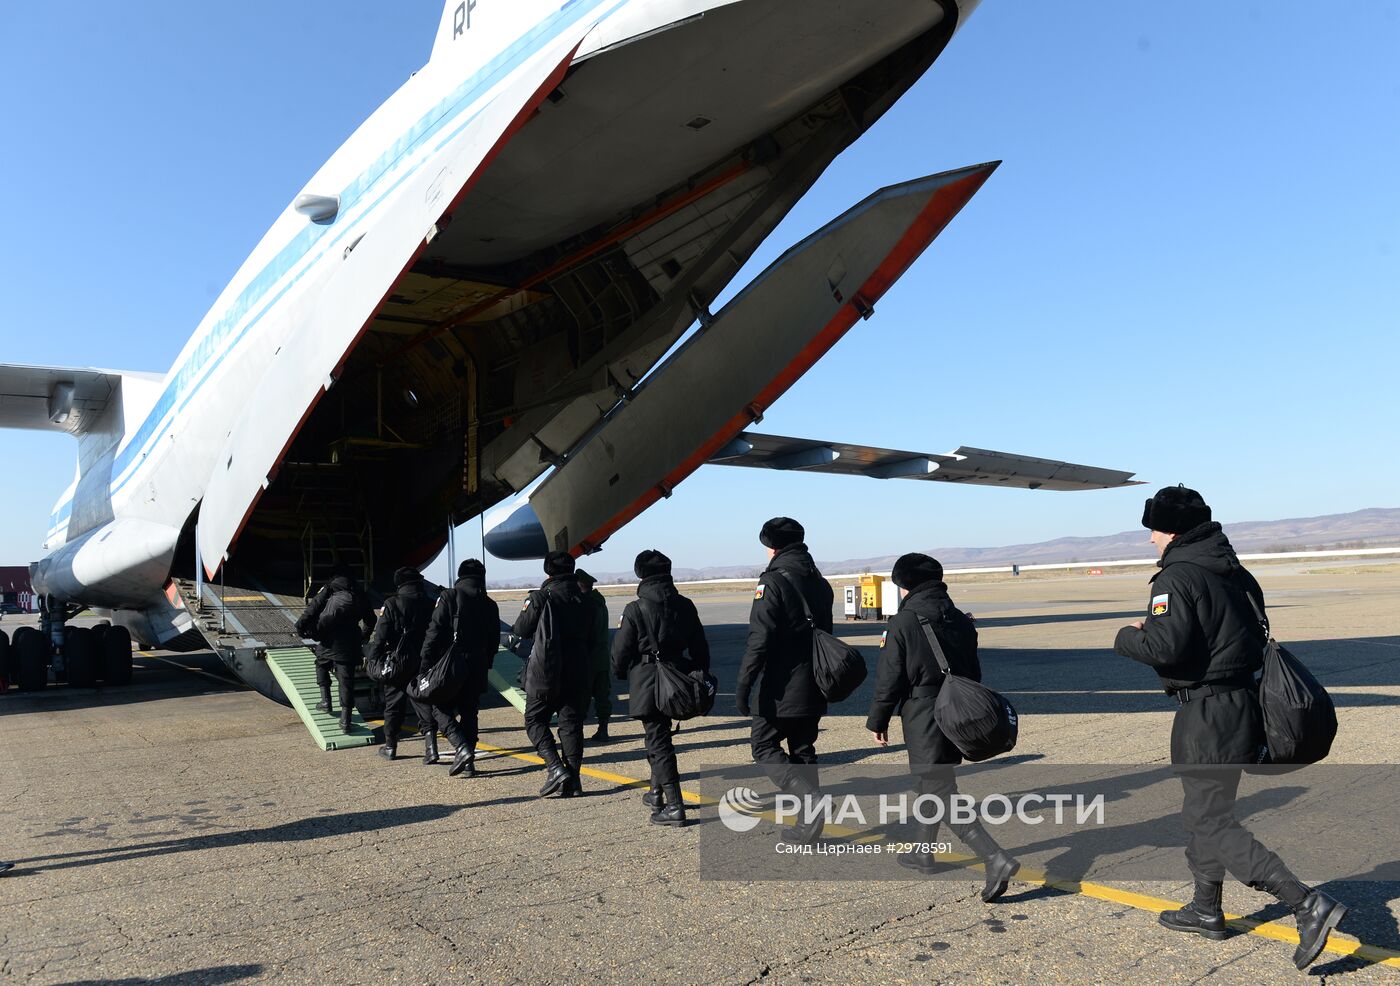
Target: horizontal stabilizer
{"points": [[964, 465], [58, 398]]}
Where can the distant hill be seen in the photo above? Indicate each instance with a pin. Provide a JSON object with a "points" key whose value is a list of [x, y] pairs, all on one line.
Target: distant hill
{"points": [[1371, 528]]}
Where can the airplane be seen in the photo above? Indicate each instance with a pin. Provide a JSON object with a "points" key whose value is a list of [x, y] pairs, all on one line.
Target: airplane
{"points": [[475, 294]]}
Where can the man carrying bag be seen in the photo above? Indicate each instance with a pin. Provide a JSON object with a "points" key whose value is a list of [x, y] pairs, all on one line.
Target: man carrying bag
{"points": [[1202, 637], [927, 634], [660, 635], [778, 661]]}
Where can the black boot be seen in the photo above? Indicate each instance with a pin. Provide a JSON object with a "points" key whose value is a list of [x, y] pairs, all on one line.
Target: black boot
{"points": [[806, 832], [325, 704], [601, 736], [655, 798], [572, 788], [389, 751], [556, 776], [6, 866], [1203, 916], [430, 750], [345, 720], [1000, 865], [464, 762], [673, 811], [1317, 915], [920, 859]]}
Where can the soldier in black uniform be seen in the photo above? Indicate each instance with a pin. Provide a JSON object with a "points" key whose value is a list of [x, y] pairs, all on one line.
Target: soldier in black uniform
{"points": [[401, 627], [790, 705], [661, 625], [909, 679], [1202, 637], [560, 687], [334, 618], [467, 615], [600, 671]]}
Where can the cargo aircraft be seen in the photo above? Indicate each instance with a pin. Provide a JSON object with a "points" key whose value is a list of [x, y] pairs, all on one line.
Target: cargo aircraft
{"points": [[466, 309]]}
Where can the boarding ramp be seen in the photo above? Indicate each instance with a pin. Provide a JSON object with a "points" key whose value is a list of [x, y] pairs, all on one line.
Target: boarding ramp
{"points": [[254, 634]]}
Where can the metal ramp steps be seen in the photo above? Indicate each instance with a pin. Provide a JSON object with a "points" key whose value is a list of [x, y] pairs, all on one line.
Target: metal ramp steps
{"points": [[295, 670]]}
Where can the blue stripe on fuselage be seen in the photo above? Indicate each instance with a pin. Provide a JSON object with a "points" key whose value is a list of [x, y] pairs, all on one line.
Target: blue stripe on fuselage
{"points": [[202, 361]]}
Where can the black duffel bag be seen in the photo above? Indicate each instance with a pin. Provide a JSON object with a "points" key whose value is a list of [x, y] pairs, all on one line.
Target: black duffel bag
{"points": [[980, 722], [442, 682], [1300, 721], [681, 695], [837, 667]]}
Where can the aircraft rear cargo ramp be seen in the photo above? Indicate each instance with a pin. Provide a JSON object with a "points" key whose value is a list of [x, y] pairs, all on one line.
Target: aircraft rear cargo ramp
{"points": [[254, 633]]}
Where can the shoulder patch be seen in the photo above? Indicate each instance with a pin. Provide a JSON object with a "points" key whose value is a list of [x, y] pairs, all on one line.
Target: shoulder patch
{"points": [[883, 637], [758, 593], [527, 603], [1161, 604]]}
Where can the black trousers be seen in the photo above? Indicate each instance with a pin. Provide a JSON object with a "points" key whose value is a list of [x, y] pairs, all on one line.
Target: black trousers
{"points": [[661, 752], [572, 711], [1216, 841], [344, 676], [795, 766], [396, 702]]}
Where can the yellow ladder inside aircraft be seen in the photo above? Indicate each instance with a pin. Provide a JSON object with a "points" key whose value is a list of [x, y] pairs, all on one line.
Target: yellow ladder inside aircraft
{"points": [[295, 670]]}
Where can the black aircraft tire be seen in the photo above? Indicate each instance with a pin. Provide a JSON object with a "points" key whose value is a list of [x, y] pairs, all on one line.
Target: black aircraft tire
{"points": [[116, 656], [81, 656], [29, 655]]}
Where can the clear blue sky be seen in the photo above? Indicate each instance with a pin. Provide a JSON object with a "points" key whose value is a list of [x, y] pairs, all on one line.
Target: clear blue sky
{"points": [[1188, 266]]}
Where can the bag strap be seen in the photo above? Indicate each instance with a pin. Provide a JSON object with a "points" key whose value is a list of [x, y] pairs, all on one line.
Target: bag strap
{"points": [[653, 632], [932, 639], [806, 610]]}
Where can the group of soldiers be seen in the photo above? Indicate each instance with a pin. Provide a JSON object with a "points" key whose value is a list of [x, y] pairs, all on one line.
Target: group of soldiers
{"points": [[1200, 636]]}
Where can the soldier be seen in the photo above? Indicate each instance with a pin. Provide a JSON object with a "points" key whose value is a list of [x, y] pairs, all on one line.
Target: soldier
{"points": [[601, 677], [467, 615], [401, 627], [1204, 640], [909, 678], [661, 625], [790, 705], [557, 674], [334, 619]]}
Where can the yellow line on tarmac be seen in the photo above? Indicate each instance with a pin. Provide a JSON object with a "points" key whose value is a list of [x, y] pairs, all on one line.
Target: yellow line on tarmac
{"points": [[1098, 891]]}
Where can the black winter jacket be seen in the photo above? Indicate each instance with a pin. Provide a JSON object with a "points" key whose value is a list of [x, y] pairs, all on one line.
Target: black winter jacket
{"points": [[575, 624], [1199, 627], [480, 621], [661, 609], [907, 663], [405, 615], [780, 639], [334, 617]]}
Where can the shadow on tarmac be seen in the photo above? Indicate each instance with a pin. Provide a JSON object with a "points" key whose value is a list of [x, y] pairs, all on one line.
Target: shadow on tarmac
{"points": [[193, 977], [302, 830]]}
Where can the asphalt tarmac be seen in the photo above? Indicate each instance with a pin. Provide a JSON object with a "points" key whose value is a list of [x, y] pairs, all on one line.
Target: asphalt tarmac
{"points": [[186, 830]]}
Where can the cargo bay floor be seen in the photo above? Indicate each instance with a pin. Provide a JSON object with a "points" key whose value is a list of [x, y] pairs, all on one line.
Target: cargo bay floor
{"points": [[187, 830]]}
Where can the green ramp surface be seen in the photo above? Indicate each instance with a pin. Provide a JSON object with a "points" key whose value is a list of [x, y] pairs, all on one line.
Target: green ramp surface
{"points": [[295, 670], [505, 675]]}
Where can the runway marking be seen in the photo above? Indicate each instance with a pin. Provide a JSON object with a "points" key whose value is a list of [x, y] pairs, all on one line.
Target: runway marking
{"points": [[1098, 891], [184, 667]]}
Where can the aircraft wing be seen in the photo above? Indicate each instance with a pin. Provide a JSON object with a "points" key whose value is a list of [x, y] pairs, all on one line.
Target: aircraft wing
{"points": [[58, 398], [976, 466]]}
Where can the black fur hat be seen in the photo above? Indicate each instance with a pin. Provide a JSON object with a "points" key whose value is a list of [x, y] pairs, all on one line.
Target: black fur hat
{"points": [[584, 578], [1175, 510], [471, 569], [781, 532], [405, 575], [913, 570], [558, 563], [651, 562]]}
